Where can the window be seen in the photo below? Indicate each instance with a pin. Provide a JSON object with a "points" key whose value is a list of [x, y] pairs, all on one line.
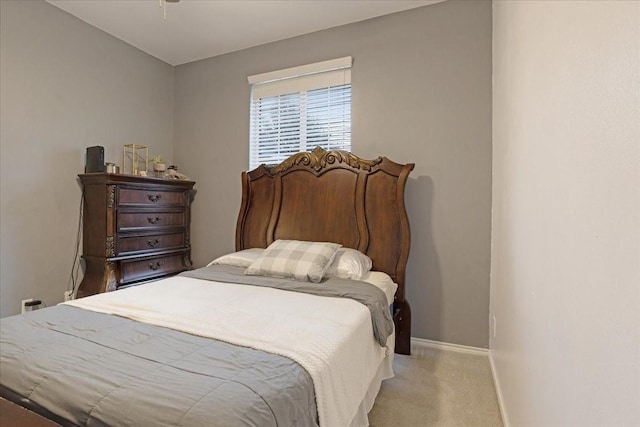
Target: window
{"points": [[298, 109]]}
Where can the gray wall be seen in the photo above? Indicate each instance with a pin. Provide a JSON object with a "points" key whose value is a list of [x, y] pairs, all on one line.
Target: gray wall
{"points": [[65, 85], [421, 93], [565, 276]]}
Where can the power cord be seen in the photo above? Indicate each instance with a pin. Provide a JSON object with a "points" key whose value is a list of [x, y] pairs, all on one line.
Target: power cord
{"points": [[75, 266]]}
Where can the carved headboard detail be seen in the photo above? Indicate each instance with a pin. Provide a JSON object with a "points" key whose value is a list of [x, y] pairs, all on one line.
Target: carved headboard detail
{"points": [[334, 196]]}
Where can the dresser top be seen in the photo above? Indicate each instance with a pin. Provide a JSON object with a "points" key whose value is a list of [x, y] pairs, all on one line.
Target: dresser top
{"points": [[117, 178]]}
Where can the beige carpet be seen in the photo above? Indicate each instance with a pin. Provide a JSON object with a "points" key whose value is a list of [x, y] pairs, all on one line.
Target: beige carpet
{"points": [[438, 388]]}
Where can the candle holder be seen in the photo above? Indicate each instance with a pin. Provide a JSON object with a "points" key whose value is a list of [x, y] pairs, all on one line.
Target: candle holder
{"points": [[135, 158]]}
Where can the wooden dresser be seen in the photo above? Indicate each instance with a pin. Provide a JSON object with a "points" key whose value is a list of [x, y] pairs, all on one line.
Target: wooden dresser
{"points": [[135, 230]]}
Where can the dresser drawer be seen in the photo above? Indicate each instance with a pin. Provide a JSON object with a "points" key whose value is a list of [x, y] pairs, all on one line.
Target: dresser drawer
{"points": [[146, 220], [137, 269], [127, 245], [131, 196]]}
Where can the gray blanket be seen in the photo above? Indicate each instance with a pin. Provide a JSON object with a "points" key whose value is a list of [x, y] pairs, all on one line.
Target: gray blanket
{"points": [[84, 368], [365, 293]]}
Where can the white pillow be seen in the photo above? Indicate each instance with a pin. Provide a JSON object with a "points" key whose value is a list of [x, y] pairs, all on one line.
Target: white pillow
{"points": [[382, 281], [349, 264], [242, 258], [299, 260]]}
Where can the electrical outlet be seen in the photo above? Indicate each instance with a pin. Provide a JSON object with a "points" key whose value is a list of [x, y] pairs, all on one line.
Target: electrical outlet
{"points": [[68, 295], [23, 304], [494, 326]]}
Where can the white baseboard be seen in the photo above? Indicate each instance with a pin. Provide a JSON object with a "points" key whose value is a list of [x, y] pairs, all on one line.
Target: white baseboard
{"points": [[419, 345], [496, 383]]}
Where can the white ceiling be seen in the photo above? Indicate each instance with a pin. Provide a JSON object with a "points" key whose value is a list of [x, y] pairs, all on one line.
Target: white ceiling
{"points": [[197, 29]]}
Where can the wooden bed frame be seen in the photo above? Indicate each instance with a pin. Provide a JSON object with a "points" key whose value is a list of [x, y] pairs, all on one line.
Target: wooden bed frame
{"points": [[334, 196]]}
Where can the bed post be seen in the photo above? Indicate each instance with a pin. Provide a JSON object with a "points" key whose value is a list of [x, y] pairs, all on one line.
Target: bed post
{"points": [[402, 321], [401, 307]]}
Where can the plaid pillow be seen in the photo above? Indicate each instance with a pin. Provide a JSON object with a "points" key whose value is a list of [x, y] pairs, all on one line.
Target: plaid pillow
{"points": [[304, 261]]}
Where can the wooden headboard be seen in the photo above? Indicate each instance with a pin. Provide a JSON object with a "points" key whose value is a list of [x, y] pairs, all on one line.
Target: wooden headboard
{"points": [[334, 196]]}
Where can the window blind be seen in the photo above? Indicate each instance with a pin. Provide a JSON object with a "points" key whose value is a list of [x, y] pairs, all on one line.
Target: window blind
{"points": [[298, 109]]}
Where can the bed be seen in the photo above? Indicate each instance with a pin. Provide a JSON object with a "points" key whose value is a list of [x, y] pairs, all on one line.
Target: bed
{"points": [[238, 342]]}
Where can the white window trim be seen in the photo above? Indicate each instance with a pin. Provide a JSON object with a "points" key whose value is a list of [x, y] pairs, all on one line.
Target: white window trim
{"points": [[302, 70], [301, 83]]}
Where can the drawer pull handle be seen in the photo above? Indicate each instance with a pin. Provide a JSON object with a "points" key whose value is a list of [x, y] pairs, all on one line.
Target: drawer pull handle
{"points": [[153, 220], [155, 265], [154, 197], [153, 243]]}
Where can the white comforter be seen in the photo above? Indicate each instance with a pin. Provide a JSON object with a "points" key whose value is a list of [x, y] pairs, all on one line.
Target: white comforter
{"points": [[331, 338]]}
